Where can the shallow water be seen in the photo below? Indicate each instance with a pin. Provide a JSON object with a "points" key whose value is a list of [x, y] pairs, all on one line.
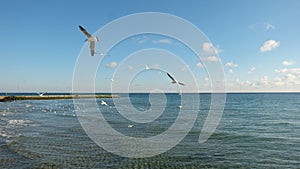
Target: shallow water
{"points": [[256, 131]]}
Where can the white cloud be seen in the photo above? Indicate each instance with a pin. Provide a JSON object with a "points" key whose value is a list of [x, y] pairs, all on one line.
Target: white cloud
{"points": [[269, 45], [251, 69], [285, 80], [184, 68], [280, 70], [211, 59], [265, 81], [130, 67], [208, 48], [246, 83], [288, 63], [199, 64], [230, 71], [231, 64], [269, 26], [293, 70], [288, 77], [111, 65], [279, 82], [163, 41], [156, 66], [288, 83], [291, 77], [141, 39]]}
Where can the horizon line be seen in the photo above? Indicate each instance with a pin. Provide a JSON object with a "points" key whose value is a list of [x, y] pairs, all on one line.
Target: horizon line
{"points": [[167, 92]]}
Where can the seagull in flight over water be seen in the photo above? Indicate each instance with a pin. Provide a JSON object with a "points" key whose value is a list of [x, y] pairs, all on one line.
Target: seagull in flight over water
{"points": [[41, 94], [91, 39], [103, 103], [174, 81]]}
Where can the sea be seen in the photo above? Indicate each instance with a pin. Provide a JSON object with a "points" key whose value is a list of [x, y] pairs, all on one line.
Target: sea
{"points": [[257, 130]]}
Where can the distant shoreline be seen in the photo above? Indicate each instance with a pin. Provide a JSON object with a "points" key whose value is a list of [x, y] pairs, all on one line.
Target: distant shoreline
{"points": [[118, 93], [54, 97]]}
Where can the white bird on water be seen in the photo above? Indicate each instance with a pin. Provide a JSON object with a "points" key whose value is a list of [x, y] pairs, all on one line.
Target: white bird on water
{"points": [[103, 103], [91, 39], [130, 125]]}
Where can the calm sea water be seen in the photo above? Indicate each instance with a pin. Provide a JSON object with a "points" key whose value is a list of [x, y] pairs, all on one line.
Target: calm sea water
{"points": [[256, 131]]}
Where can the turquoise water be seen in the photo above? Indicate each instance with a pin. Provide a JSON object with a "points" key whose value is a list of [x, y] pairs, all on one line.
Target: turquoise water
{"points": [[256, 131]]}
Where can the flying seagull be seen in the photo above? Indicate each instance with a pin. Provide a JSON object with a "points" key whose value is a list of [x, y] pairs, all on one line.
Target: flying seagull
{"points": [[41, 94], [103, 103], [174, 81], [91, 39]]}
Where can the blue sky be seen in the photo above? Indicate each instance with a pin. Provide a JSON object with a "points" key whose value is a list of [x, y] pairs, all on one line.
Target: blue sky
{"points": [[257, 43]]}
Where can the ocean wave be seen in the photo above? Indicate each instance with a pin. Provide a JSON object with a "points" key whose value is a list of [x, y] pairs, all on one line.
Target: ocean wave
{"points": [[8, 135], [6, 113], [20, 146], [20, 122], [8, 130], [2, 122], [3, 134], [65, 114], [278, 123]]}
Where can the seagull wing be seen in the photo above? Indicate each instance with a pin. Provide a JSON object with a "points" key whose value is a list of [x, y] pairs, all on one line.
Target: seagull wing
{"points": [[173, 80], [181, 83], [92, 48], [84, 31]]}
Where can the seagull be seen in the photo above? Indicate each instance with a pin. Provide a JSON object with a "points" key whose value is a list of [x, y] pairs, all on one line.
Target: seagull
{"points": [[147, 67], [110, 79], [103, 103], [130, 125], [91, 39], [174, 81], [41, 94]]}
